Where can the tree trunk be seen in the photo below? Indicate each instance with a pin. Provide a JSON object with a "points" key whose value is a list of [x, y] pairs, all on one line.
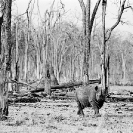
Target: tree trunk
{"points": [[37, 62], [88, 37], [5, 72], [103, 55], [16, 61], [108, 72], [106, 38], [26, 56], [87, 29], [17, 77], [53, 79], [47, 88], [1, 21], [123, 69]]}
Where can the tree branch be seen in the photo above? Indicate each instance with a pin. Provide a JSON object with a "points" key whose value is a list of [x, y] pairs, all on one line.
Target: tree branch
{"points": [[83, 8], [109, 31], [26, 12], [128, 7], [82, 5], [94, 13]]}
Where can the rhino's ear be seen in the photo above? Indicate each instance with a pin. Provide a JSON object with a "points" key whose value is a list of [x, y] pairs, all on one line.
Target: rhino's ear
{"points": [[96, 88]]}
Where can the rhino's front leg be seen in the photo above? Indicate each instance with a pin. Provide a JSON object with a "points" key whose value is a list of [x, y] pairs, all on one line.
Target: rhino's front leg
{"points": [[96, 108]]}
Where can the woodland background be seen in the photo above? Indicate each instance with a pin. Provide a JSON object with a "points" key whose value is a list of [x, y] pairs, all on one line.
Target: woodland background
{"points": [[61, 43]]}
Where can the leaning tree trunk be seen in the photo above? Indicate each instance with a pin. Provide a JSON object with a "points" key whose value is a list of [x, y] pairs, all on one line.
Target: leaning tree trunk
{"points": [[6, 64]]}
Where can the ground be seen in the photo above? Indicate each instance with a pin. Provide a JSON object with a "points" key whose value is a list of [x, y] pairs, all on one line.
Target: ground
{"points": [[60, 116]]}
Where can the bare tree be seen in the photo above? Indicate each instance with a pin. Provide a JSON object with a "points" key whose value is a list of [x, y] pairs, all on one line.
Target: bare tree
{"points": [[106, 37], [104, 4], [88, 21], [5, 72]]}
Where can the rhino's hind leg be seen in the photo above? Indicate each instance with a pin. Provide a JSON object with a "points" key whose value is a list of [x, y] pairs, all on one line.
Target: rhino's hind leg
{"points": [[80, 109]]}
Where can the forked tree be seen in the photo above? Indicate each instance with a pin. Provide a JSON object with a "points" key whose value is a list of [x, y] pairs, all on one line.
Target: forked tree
{"points": [[106, 37], [88, 20]]}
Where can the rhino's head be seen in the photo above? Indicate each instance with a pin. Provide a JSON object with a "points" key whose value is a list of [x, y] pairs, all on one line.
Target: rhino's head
{"points": [[100, 95]]}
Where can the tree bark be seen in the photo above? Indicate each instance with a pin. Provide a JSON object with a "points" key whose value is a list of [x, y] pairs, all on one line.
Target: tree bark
{"points": [[16, 60], [88, 37], [103, 55], [108, 72], [2, 4], [5, 72]]}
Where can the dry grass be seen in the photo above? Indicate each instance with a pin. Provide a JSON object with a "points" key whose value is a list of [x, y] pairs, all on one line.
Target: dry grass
{"points": [[60, 116]]}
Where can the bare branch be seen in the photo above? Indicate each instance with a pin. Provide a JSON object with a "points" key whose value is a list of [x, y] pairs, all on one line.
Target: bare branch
{"points": [[27, 8], [51, 8], [109, 31], [94, 13], [39, 10], [62, 5], [82, 5], [128, 7]]}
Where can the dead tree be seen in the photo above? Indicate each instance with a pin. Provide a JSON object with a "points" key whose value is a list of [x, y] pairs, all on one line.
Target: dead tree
{"points": [[103, 55], [47, 81], [106, 37], [5, 71], [88, 21], [53, 79], [50, 79]]}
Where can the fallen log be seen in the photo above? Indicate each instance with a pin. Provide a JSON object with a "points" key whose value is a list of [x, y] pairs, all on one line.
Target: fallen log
{"points": [[23, 83], [24, 100], [118, 98], [53, 88], [62, 97], [66, 85]]}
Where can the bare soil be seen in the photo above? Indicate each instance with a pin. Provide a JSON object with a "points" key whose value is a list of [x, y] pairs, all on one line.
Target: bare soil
{"points": [[60, 116]]}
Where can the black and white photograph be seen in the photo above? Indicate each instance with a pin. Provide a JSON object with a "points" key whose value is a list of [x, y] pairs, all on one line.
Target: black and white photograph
{"points": [[66, 66]]}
